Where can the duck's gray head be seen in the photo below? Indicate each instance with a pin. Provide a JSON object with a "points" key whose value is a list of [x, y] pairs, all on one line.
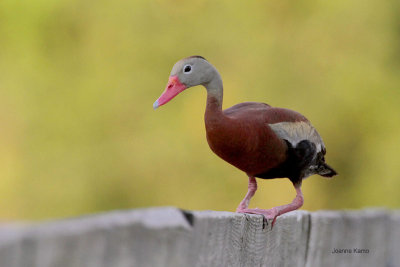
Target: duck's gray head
{"points": [[186, 73]]}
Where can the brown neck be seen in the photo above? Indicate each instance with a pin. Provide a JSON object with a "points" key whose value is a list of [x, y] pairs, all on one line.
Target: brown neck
{"points": [[213, 116], [214, 93], [214, 105]]}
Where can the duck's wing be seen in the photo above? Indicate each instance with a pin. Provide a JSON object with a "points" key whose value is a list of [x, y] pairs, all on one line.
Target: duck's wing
{"points": [[287, 124]]}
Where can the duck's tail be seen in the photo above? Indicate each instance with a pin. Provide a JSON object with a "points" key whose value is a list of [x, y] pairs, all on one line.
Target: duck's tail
{"points": [[325, 170]]}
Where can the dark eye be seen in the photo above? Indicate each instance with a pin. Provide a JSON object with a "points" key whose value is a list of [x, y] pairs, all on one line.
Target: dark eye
{"points": [[187, 69]]}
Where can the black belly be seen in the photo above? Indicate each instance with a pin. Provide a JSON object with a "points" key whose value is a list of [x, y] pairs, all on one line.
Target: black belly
{"points": [[298, 160]]}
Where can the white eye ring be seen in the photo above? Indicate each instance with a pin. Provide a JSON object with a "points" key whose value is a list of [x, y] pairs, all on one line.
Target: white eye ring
{"points": [[187, 69]]}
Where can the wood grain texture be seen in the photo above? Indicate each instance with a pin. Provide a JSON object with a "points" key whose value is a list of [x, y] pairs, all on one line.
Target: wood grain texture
{"points": [[169, 237]]}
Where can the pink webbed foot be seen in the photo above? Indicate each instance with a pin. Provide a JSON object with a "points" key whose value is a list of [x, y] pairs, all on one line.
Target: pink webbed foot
{"points": [[273, 213], [270, 214]]}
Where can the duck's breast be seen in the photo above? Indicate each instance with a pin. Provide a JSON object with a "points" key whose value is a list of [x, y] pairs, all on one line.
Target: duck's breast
{"points": [[242, 137]]}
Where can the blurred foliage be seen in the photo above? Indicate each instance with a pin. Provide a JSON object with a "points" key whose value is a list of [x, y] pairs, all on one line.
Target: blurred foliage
{"points": [[78, 79]]}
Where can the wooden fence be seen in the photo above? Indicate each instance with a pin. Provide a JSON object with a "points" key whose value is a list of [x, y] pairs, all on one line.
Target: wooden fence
{"points": [[172, 237]]}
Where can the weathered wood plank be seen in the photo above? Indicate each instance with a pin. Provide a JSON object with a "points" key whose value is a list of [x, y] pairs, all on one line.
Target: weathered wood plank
{"points": [[393, 235], [171, 237], [356, 238]]}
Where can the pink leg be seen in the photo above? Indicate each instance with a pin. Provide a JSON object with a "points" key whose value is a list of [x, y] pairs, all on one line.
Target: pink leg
{"points": [[276, 211], [250, 193]]}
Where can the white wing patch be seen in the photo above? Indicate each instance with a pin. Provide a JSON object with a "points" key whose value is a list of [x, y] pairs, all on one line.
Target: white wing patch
{"points": [[295, 132]]}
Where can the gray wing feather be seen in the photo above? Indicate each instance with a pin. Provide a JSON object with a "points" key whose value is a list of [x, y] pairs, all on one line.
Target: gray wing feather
{"points": [[295, 132]]}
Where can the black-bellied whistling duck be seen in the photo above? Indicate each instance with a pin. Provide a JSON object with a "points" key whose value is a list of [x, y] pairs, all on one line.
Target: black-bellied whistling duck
{"points": [[263, 141]]}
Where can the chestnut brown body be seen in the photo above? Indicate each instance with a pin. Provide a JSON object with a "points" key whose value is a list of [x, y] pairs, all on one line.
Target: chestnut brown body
{"points": [[263, 141]]}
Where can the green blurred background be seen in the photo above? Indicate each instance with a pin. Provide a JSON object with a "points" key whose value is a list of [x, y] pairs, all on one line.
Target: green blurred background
{"points": [[78, 79]]}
